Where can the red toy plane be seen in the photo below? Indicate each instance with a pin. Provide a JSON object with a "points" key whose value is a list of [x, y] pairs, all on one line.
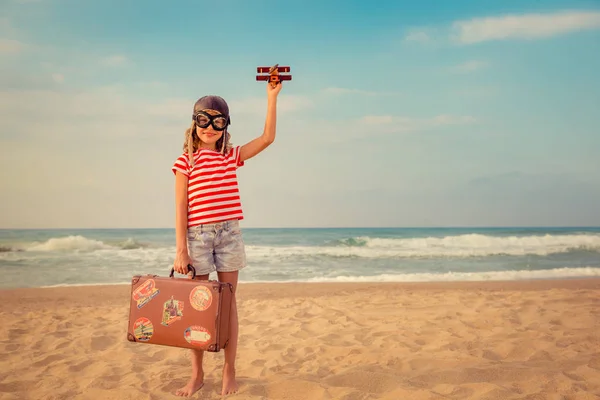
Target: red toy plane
{"points": [[274, 74]]}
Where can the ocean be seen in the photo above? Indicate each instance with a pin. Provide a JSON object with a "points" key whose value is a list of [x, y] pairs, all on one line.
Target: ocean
{"points": [[42, 258]]}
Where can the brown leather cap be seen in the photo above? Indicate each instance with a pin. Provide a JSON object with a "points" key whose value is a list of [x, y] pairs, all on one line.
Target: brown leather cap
{"points": [[213, 103]]}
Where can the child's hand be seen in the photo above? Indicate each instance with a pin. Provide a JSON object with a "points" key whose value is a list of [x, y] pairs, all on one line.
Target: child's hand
{"points": [[272, 92], [181, 263]]}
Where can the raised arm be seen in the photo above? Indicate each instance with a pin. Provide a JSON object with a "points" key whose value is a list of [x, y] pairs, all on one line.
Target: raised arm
{"points": [[260, 143]]}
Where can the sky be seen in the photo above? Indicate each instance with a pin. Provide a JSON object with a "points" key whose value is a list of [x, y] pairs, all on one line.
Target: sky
{"points": [[403, 114]]}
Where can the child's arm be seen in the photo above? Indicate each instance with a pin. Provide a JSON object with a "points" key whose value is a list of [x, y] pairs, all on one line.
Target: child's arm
{"points": [[181, 210], [257, 145]]}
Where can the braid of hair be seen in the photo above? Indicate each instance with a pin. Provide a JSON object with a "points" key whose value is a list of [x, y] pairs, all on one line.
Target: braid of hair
{"points": [[189, 143]]}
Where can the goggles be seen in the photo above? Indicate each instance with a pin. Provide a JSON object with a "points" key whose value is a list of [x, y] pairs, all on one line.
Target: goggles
{"points": [[218, 122]]}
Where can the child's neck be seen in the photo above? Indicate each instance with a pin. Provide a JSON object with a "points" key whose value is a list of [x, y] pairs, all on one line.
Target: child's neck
{"points": [[207, 148]]}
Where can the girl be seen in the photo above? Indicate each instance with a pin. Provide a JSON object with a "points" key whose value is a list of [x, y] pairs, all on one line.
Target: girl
{"points": [[208, 210]]}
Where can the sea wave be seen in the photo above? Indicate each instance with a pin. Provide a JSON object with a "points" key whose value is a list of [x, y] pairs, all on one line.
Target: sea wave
{"points": [[510, 275], [557, 273], [468, 245], [362, 247], [78, 243]]}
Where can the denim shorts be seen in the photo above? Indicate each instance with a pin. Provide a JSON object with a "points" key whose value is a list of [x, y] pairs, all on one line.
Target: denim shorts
{"points": [[216, 247]]}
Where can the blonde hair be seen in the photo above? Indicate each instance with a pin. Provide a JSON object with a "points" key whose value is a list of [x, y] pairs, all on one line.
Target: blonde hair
{"points": [[192, 141]]}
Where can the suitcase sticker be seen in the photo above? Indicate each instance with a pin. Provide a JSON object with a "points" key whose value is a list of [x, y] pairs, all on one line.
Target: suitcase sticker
{"points": [[172, 311], [179, 312], [197, 335], [144, 293], [200, 298], [143, 329]]}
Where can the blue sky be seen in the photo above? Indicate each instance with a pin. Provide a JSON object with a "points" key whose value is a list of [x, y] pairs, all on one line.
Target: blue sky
{"points": [[463, 113]]}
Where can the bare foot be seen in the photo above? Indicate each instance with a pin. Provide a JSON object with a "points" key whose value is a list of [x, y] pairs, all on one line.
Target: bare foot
{"points": [[192, 387], [230, 385]]}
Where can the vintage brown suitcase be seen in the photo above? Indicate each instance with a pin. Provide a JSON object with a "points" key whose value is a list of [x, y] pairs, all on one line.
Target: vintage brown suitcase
{"points": [[179, 312]]}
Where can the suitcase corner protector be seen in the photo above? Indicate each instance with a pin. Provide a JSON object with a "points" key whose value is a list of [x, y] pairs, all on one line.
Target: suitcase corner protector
{"points": [[131, 338]]}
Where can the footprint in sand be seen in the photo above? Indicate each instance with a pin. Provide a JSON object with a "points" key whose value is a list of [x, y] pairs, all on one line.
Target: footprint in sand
{"points": [[101, 343], [361, 379], [80, 366], [573, 376], [48, 360], [62, 345], [15, 333], [490, 355], [16, 386], [595, 362], [565, 342], [64, 325], [302, 334], [541, 355], [258, 391], [461, 393], [11, 347], [107, 382]]}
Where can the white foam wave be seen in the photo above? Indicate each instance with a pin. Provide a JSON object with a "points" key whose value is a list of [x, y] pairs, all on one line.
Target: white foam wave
{"points": [[469, 245], [79, 243], [556, 273], [66, 285], [459, 246]]}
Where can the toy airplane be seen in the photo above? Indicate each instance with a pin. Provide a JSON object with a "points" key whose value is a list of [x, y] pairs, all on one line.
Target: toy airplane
{"points": [[274, 74]]}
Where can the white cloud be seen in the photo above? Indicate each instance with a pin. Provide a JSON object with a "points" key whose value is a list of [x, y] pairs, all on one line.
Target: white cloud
{"points": [[478, 91], [152, 85], [6, 26], [525, 26], [505, 27], [418, 36], [446, 119], [8, 46], [58, 78], [289, 103], [258, 105], [469, 66], [116, 61], [105, 111], [341, 91], [338, 91], [377, 119], [389, 123], [113, 111]]}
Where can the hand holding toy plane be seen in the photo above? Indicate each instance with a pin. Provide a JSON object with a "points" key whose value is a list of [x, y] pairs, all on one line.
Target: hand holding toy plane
{"points": [[274, 75]]}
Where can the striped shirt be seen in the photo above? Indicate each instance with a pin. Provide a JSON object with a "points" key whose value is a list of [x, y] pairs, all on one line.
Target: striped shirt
{"points": [[213, 193]]}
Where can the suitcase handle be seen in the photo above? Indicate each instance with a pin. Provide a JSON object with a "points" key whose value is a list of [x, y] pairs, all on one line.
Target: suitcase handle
{"points": [[190, 266]]}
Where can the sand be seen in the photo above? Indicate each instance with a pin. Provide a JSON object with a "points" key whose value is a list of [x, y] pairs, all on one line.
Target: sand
{"points": [[493, 340]]}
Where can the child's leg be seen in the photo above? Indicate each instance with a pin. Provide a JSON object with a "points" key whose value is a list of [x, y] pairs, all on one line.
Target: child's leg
{"points": [[229, 382], [230, 258], [197, 379]]}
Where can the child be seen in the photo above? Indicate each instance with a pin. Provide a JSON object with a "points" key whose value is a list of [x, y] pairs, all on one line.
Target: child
{"points": [[208, 210]]}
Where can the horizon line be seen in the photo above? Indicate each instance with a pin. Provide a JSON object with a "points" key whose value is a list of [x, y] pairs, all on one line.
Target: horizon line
{"points": [[328, 227]]}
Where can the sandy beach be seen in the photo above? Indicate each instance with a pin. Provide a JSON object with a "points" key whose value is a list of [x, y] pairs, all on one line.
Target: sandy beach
{"points": [[472, 340]]}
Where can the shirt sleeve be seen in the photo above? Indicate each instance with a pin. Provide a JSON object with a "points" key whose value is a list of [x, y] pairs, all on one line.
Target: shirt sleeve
{"points": [[236, 155], [181, 165]]}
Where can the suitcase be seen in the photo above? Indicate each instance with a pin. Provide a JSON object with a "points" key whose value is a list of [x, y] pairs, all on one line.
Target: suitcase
{"points": [[179, 312]]}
